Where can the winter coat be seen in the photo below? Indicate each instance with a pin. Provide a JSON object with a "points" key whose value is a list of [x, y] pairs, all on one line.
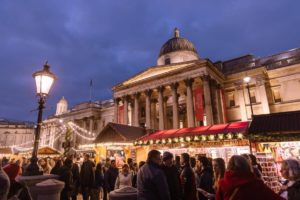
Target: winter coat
{"points": [[152, 183], [110, 177], [294, 191], [244, 186], [76, 179], [205, 182], [99, 179], [12, 171], [4, 185], [67, 177], [173, 180], [188, 182], [123, 180], [87, 175]]}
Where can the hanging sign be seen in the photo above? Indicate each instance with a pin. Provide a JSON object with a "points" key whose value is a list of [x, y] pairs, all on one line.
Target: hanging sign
{"points": [[121, 114], [198, 100]]}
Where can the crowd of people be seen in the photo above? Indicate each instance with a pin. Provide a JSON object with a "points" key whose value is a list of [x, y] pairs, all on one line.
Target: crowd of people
{"points": [[160, 177]]}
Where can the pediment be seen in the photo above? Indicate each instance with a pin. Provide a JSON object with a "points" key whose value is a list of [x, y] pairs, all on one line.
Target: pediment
{"points": [[156, 71]]}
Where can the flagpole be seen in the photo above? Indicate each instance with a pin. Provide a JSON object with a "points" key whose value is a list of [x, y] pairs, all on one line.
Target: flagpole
{"points": [[91, 85]]}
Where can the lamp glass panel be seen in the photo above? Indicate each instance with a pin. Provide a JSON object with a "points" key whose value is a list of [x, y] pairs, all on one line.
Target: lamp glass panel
{"points": [[43, 84]]}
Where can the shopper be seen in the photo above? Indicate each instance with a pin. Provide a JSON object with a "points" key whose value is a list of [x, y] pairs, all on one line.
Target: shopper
{"points": [[218, 165], [110, 176], [205, 178], [66, 176], [4, 183], [13, 169], [240, 183], [172, 175], [87, 177], [187, 177], [76, 180], [151, 181], [124, 178], [177, 163], [290, 170], [57, 167], [99, 182]]}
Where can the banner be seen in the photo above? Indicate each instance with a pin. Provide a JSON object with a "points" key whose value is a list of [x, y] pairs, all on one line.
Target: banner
{"points": [[121, 114], [198, 100]]}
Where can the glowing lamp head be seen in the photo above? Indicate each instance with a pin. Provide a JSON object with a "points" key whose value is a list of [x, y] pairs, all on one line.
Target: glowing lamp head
{"points": [[44, 80], [247, 79]]}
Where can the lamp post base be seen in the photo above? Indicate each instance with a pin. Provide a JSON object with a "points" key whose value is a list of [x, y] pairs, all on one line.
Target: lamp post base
{"points": [[33, 168]]}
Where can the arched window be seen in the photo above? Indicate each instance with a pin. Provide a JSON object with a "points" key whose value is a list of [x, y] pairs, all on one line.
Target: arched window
{"points": [[167, 61]]}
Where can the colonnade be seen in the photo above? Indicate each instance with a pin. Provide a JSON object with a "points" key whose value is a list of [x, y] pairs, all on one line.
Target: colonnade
{"points": [[134, 100]]}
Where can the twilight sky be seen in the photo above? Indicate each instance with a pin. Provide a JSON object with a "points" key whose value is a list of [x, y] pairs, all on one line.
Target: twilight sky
{"points": [[111, 40]]}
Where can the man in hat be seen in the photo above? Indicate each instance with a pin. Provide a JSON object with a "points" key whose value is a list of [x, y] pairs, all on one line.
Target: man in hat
{"points": [[172, 175]]}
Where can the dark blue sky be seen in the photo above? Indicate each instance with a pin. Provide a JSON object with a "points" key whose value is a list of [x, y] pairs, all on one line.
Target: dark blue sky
{"points": [[111, 40]]}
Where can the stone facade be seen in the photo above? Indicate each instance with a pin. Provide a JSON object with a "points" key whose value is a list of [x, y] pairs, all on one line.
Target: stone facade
{"points": [[17, 133], [165, 96]]}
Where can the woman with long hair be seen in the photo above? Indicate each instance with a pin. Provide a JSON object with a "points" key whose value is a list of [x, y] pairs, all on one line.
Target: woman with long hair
{"points": [[239, 182], [218, 165]]}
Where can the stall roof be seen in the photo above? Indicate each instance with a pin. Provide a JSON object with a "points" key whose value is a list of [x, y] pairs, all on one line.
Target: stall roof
{"points": [[113, 132], [284, 122], [234, 127], [5, 150]]}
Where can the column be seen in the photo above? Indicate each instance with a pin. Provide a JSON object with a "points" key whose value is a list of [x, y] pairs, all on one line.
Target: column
{"points": [[153, 114], [136, 110], [125, 101], [242, 104], [207, 100], [91, 123], [148, 108], [219, 104], [190, 103], [174, 87], [263, 97], [161, 125], [116, 110]]}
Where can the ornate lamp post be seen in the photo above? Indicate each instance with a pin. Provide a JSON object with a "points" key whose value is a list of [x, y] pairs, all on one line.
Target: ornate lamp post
{"points": [[247, 80], [44, 80]]}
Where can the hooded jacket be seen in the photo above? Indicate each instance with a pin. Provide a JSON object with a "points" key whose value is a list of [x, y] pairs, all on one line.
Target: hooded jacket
{"points": [[244, 186]]}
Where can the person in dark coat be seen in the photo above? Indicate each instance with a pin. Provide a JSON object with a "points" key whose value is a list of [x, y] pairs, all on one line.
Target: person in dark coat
{"points": [[187, 178], [87, 177], [240, 183], [151, 180], [57, 167], [4, 183], [99, 181], [205, 177], [290, 170], [110, 176], [76, 181], [172, 175], [66, 176]]}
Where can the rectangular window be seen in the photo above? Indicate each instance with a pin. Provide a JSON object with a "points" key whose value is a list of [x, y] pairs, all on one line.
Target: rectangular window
{"points": [[276, 95], [231, 100], [252, 96]]}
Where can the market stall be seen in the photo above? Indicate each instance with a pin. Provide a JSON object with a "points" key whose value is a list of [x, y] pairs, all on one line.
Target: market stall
{"points": [[43, 152], [115, 141], [274, 138], [221, 140]]}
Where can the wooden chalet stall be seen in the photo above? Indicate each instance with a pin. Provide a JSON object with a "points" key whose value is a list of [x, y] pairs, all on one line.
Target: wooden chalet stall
{"points": [[115, 141], [274, 138], [221, 140]]}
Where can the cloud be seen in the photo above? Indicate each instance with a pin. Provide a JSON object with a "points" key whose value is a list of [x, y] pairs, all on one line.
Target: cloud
{"points": [[109, 41]]}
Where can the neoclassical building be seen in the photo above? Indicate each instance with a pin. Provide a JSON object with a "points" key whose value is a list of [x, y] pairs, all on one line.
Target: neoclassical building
{"points": [[186, 90]]}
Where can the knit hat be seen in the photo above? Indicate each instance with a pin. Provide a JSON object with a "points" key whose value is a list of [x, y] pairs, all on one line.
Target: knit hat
{"points": [[167, 155]]}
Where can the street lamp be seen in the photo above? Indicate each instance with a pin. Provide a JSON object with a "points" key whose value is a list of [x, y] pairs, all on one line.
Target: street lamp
{"points": [[44, 80], [247, 80]]}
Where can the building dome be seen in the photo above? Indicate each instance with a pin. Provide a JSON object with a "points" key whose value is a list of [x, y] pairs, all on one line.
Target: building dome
{"points": [[177, 49]]}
